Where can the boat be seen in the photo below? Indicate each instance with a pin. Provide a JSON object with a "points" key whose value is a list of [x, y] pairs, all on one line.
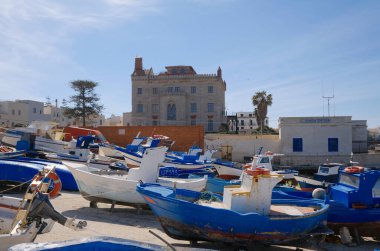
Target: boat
{"points": [[227, 173], [227, 169], [46, 136], [328, 174], [244, 214], [39, 135], [22, 170], [193, 150], [80, 151], [354, 201], [91, 243], [21, 219], [133, 152], [175, 172], [7, 152], [233, 170], [191, 160], [119, 186]]}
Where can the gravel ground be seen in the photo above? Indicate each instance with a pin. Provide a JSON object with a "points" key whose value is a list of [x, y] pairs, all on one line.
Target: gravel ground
{"points": [[124, 222]]}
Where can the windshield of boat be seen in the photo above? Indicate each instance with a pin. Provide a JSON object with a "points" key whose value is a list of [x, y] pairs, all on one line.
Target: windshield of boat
{"points": [[349, 180], [101, 138], [264, 160], [376, 189], [324, 170]]}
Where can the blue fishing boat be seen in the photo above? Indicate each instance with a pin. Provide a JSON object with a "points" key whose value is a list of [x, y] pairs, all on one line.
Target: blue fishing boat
{"points": [[328, 174], [23, 170], [355, 201], [92, 243], [132, 153], [244, 214], [193, 151], [175, 172]]}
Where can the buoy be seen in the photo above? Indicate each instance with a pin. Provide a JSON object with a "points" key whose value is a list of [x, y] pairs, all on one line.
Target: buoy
{"points": [[319, 193], [354, 169]]}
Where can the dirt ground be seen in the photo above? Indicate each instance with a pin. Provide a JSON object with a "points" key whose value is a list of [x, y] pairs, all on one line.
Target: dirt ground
{"points": [[125, 222]]}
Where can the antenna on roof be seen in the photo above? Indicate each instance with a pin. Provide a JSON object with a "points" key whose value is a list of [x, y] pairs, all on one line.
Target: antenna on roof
{"points": [[328, 103], [334, 101]]}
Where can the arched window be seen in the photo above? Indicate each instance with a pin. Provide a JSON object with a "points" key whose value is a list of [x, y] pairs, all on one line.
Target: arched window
{"points": [[172, 112]]}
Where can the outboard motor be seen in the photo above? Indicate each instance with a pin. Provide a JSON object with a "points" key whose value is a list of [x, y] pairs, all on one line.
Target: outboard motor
{"points": [[42, 208]]}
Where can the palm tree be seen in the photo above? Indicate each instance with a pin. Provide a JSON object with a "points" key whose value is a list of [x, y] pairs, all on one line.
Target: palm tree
{"points": [[261, 101]]}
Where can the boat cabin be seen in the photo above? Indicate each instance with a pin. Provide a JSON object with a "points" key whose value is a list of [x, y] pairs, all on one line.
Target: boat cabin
{"points": [[357, 188], [254, 194], [328, 172], [263, 160]]}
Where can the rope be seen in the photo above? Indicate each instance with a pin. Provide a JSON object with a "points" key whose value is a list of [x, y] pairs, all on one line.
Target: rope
{"points": [[16, 186], [209, 197]]}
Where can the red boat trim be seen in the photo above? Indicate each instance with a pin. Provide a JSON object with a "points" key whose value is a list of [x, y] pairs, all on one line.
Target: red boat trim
{"points": [[9, 207]]}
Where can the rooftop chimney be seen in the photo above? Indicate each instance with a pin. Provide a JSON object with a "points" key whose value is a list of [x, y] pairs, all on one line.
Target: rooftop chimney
{"points": [[219, 72], [139, 71]]}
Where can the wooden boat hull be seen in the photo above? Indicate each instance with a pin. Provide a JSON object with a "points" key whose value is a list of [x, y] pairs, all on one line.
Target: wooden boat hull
{"points": [[227, 170], [105, 188], [15, 154], [24, 169], [308, 184], [92, 243], [11, 236], [119, 189], [365, 220], [17, 237], [108, 151], [189, 221]]}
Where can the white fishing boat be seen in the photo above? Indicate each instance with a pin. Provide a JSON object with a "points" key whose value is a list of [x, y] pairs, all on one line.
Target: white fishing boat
{"points": [[119, 187], [21, 219], [41, 135], [79, 151], [230, 169]]}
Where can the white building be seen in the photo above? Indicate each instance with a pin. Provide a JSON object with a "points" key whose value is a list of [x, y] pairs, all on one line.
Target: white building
{"points": [[304, 141], [322, 135], [55, 114], [20, 112], [244, 122], [114, 120]]}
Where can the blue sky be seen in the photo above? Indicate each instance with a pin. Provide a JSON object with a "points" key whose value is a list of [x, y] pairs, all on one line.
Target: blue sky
{"points": [[296, 50]]}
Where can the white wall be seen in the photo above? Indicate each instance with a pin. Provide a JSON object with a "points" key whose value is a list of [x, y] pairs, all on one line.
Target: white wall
{"points": [[242, 145], [315, 132]]}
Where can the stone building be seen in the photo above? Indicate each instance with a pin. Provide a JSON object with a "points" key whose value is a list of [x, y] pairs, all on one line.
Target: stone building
{"points": [[178, 96]]}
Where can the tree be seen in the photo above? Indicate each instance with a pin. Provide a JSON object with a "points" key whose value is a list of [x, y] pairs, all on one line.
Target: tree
{"points": [[261, 101], [85, 101]]}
